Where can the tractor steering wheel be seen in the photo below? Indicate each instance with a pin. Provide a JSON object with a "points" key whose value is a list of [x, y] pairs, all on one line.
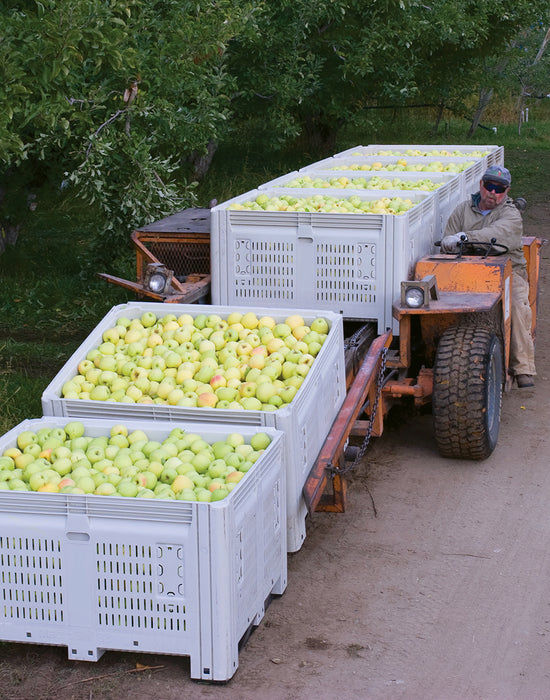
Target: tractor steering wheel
{"points": [[483, 248]]}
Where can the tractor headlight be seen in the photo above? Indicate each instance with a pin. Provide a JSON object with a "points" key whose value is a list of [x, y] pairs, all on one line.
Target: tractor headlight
{"points": [[414, 297], [158, 278], [418, 293]]}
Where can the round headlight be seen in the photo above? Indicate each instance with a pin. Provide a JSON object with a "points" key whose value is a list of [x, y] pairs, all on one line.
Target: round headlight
{"points": [[157, 282], [414, 297]]}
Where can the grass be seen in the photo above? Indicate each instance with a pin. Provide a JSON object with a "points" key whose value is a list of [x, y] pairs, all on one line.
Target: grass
{"points": [[50, 298]]}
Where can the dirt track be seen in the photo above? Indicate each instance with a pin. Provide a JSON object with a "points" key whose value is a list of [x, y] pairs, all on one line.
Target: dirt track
{"points": [[443, 595]]}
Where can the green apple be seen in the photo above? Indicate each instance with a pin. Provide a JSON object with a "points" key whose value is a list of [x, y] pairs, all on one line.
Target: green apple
{"points": [[234, 439], [148, 319], [287, 393], [186, 495], [265, 391], [247, 389], [294, 380], [62, 465], [302, 369], [94, 453], [244, 450], [217, 468], [25, 438], [118, 440], [281, 330], [288, 369], [260, 441], [17, 485], [7, 463], [167, 475], [293, 355], [319, 325], [100, 393], [146, 479], [74, 429], [221, 448], [226, 393], [203, 495], [51, 442], [106, 489], [127, 488], [251, 403], [33, 449]]}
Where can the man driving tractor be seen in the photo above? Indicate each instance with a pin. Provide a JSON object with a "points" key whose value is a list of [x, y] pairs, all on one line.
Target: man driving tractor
{"points": [[488, 215]]}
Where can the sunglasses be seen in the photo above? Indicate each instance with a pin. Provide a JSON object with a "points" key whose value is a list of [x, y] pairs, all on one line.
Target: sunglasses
{"points": [[493, 187]]}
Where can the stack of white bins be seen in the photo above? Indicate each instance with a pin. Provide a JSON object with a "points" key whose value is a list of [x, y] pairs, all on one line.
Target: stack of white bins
{"points": [[351, 264]]}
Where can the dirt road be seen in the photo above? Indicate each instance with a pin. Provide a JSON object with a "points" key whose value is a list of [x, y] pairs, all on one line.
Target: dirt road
{"points": [[444, 594]]}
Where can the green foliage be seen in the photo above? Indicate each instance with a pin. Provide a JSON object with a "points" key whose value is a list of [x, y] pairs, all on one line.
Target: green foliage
{"points": [[123, 103], [317, 66], [113, 99]]}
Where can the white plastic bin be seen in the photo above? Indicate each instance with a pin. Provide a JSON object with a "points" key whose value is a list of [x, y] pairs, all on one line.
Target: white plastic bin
{"points": [[305, 421], [469, 177], [401, 149], [330, 261], [494, 155], [96, 573], [448, 194]]}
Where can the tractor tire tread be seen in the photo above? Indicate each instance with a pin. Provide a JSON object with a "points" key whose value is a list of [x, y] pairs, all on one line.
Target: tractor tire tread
{"points": [[459, 399]]}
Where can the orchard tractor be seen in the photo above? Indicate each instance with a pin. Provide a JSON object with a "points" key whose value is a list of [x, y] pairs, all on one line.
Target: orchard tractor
{"points": [[452, 351]]}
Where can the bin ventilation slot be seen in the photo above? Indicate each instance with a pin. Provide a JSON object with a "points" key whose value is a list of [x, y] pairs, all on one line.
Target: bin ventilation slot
{"points": [[346, 272], [30, 579], [264, 269], [141, 587]]}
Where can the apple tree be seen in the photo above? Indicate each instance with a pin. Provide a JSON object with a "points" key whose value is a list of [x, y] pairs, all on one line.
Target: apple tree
{"points": [[316, 65], [110, 102]]}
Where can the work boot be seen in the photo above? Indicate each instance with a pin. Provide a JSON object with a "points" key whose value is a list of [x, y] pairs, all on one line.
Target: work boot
{"points": [[524, 380]]}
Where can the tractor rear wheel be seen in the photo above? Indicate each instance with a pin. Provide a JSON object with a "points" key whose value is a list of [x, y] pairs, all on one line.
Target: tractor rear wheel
{"points": [[467, 392]]}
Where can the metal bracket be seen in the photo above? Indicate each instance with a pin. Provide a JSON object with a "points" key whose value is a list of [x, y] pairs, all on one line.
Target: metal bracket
{"points": [[428, 285]]}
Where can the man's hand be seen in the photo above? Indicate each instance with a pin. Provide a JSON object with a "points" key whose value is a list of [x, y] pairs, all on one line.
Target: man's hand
{"points": [[450, 243]]}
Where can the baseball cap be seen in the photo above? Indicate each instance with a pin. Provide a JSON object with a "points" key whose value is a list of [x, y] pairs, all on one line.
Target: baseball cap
{"points": [[497, 173]]}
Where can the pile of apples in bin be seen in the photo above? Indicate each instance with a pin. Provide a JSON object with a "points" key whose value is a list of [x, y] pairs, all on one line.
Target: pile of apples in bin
{"points": [[240, 362], [183, 466]]}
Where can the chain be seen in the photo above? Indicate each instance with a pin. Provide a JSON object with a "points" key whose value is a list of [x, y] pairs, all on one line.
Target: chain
{"points": [[362, 450]]}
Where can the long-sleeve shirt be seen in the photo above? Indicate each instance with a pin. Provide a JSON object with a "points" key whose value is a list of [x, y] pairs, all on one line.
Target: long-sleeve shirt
{"points": [[504, 223]]}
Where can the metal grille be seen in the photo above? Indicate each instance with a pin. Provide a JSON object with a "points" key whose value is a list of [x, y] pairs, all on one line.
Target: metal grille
{"points": [[185, 254]]}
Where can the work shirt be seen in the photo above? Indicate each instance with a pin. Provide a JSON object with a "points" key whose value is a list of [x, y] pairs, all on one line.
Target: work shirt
{"points": [[504, 223]]}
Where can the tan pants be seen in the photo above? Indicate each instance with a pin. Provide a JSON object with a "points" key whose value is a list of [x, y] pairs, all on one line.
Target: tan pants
{"points": [[522, 349]]}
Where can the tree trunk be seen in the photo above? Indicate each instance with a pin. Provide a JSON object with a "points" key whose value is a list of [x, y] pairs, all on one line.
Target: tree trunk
{"points": [[201, 163], [438, 118], [485, 96], [542, 47], [321, 137]]}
